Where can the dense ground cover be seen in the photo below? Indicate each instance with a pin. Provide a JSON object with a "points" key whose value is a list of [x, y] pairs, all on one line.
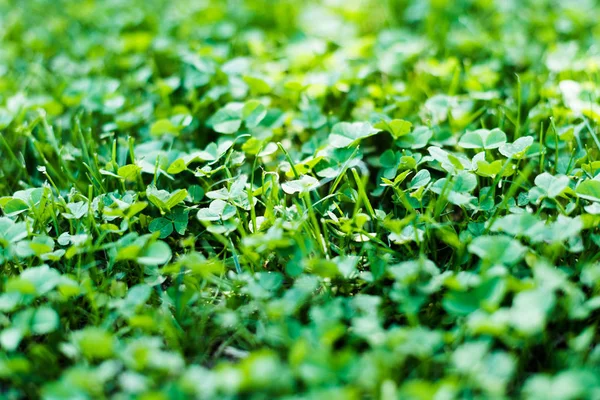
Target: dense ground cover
{"points": [[337, 199]]}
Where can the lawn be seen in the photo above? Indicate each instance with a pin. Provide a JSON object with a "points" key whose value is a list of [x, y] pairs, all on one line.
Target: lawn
{"points": [[337, 199]]}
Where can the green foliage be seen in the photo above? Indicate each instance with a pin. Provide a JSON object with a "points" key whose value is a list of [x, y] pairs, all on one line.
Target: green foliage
{"points": [[299, 199]]}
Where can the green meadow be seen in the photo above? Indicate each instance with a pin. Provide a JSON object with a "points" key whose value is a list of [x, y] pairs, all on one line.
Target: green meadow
{"points": [[337, 199]]}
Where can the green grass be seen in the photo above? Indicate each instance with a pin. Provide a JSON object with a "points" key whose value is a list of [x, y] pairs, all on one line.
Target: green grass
{"points": [[299, 199]]}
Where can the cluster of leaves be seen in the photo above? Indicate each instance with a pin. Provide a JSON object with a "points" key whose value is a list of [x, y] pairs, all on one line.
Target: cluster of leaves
{"points": [[299, 199]]}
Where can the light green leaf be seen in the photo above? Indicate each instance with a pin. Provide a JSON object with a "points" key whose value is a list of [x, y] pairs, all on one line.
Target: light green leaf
{"points": [[417, 139], [136, 296], [497, 249], [552, 185], [177, 167], [258, 85], [156, 253], [483, 139], [176, 197], [14, 207], [530, 310], [43, 278], [11, 231], [163, 199], [305, 184], [492, 169], [227, 119], [396, 127], [253, 112], [45, 320], [129, 172], [164, 127], [344, 134], [519, 225], [94, 342], [516, 149], [77, 210], [422, 178], [217, 210], [589, 189], [10, 338]]}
